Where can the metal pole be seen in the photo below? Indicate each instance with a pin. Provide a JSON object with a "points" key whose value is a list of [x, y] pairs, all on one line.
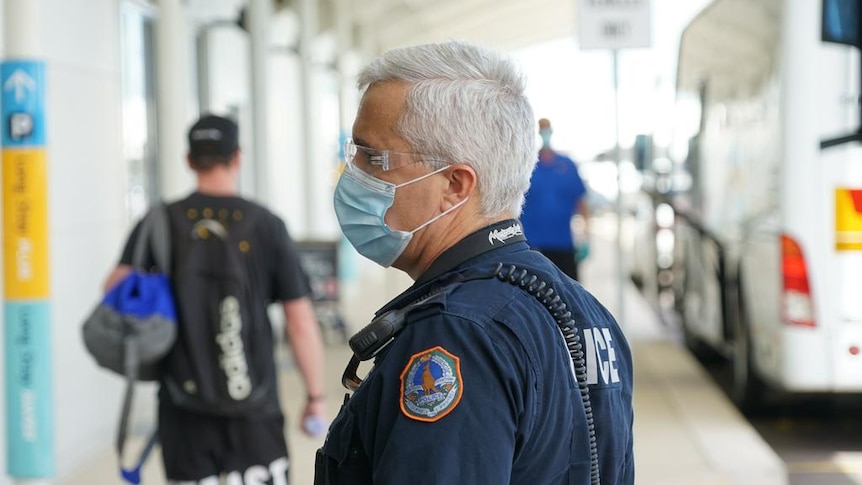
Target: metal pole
{"points": [[620, 266], [260, 13], [202, 43]]}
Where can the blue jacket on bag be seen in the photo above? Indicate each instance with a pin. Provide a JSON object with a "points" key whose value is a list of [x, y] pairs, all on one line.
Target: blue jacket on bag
{"points": [[479, 387]]}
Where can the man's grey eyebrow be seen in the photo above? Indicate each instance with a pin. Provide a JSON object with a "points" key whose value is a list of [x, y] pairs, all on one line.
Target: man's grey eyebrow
{"points": [[359, 142]]}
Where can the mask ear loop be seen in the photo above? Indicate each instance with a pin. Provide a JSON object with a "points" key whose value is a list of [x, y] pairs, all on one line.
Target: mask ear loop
{"points": [[438, 216], [423, 177]]}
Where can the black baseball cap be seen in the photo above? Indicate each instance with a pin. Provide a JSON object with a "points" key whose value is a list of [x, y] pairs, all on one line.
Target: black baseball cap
{"points": [[213, 135]]}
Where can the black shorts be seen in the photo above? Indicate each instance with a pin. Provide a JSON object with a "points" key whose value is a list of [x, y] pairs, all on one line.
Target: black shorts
{"points": [[199, 448]]}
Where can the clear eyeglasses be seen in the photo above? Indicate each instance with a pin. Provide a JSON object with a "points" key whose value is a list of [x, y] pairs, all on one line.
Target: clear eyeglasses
{"points": [[372, 161]]}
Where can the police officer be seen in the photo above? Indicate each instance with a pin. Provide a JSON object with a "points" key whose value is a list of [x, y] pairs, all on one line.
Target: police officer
{"points": [[503, 369]]}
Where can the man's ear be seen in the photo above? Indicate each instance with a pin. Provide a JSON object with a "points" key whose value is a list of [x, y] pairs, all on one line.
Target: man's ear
{"points": [[462, 182]]}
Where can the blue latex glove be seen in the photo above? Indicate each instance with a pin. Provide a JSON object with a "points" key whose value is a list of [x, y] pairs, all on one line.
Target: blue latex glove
{"points": [[582, 251]]}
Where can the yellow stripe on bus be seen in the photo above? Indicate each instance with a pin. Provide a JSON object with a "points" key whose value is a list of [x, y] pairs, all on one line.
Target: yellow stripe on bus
{"points": [[848, 220]]}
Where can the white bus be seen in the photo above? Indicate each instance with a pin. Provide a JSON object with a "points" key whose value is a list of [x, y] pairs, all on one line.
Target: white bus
{"points": [[768, 242]]}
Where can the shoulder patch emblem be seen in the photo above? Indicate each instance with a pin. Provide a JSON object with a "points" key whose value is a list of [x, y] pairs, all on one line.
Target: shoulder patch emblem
{"points": [[431, 385]]}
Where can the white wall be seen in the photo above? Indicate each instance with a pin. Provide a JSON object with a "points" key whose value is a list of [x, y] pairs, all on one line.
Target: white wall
{"points": [[87, 212]]}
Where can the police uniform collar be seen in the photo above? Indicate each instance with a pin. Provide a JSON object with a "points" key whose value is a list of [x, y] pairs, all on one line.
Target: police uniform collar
{"points": [[495, 236]]}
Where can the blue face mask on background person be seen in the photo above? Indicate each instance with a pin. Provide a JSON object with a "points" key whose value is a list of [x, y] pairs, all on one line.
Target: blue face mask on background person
{"points": [[545, 133], [361, 202]]}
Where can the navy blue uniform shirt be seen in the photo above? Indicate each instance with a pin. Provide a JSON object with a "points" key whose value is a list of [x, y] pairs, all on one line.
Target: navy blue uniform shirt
{"points": [[479, 386]]}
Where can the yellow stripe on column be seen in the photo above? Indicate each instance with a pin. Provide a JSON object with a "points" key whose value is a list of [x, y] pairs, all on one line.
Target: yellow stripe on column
{"points": [[25, 223]]}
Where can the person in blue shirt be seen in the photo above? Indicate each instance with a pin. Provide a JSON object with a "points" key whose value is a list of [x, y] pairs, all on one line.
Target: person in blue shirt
{"points": [[556, 195], [494, 367]]}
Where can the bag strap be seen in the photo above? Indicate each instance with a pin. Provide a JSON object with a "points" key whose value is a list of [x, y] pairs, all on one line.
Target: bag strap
{"points": [[130, 363], [154, 234], [161, 238]]}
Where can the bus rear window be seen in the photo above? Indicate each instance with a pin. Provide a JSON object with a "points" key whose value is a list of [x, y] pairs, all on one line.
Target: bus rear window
{"points": [[841, 22]]}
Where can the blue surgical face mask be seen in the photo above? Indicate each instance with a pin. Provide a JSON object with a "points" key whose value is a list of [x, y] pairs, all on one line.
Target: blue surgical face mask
{"points": [[545, 133], [361, 202]]}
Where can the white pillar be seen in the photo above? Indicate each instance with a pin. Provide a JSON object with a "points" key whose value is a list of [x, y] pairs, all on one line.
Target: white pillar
{"points": [[203, 64], [173, 71], [23, 41], [260, 13], [308, 26], [347, 93], [23, 28]]}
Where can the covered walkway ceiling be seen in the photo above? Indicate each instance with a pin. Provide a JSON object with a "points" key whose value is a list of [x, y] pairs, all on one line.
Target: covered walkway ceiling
{"points": [[379, 25], [505, 24]]}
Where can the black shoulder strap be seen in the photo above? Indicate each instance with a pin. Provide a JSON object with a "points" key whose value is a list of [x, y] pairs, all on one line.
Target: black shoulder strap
{"points": [[154, 234], [161, 238], [133, 474]]}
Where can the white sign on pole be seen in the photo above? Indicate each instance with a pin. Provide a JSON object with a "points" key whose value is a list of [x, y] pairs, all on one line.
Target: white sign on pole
{"points": [[614, 24]]}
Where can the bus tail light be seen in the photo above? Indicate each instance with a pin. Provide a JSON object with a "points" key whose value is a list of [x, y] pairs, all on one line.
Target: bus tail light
{"points": [[797, 304]]}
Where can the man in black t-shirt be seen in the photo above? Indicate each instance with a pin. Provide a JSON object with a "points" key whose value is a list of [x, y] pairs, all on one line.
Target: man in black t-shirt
{"points": [[199, 447]]}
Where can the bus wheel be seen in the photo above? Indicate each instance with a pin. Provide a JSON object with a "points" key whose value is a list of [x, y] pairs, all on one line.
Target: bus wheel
{"points": [[747, 389]]}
